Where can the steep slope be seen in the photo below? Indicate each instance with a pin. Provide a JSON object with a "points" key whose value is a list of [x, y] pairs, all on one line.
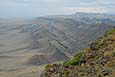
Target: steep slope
{"points": [[96, 61]]}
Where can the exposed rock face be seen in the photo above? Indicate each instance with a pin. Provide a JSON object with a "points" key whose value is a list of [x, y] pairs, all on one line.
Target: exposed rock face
{"points": [[96, 61]]}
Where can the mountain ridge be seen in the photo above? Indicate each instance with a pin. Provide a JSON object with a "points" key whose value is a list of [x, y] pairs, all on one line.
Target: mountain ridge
{"points": [[98, 60]]}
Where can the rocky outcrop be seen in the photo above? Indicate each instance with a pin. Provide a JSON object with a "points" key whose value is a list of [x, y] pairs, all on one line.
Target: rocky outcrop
{"points": [[96, 61]]}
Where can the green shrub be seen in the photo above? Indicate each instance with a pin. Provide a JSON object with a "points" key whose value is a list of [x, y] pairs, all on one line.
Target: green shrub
{"points": [[77, 60], [111, 31]]}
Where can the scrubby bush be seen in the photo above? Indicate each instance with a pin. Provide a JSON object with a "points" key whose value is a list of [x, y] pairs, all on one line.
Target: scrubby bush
{"points": [[77, 60], [111, 31]]}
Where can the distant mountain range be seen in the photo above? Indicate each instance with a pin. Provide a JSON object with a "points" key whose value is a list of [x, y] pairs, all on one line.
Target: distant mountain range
{"points": [[67, 34], [50, 39]]}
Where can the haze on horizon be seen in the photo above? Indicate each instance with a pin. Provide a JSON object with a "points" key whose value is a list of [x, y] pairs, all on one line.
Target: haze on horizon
{"points": [[35, 8]]}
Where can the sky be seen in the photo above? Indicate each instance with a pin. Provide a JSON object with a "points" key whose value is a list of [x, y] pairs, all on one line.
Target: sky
{"points": [[35, 8]]}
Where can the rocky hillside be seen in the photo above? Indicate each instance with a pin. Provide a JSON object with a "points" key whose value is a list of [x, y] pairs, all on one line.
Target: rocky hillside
{"points": [[96, 61]]}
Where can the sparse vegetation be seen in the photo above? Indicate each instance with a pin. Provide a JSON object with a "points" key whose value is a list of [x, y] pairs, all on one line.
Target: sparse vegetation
{"points": [[77, 60], [111, 31], [96, 61]]}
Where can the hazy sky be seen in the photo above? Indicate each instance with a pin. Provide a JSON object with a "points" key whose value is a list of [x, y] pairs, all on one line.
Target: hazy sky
{"points": [[34, 8]]}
